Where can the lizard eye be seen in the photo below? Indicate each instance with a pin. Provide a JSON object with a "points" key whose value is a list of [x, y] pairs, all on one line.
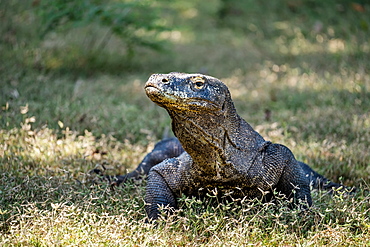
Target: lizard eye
{"points": [[198, 82]]}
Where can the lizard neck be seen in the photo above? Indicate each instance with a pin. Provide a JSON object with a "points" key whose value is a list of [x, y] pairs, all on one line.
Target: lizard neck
{"points": [[213, 138]]}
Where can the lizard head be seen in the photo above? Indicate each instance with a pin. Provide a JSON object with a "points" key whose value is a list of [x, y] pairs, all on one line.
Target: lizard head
{"points": [[187, 92]]}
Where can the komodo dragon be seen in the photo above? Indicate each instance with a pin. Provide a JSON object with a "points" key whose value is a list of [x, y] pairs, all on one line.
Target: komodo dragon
{"points": [[215, 149]]}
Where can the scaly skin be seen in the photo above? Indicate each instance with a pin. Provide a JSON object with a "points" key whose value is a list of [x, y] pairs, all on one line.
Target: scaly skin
{"points": [[222, 151]]}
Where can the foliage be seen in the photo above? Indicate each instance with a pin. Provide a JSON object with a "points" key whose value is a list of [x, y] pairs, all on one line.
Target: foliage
{"points": [[132, 21]]}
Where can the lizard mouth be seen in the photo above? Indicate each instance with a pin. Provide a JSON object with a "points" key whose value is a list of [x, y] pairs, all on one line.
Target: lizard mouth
{"points": [[149, 89], [157, 95]]}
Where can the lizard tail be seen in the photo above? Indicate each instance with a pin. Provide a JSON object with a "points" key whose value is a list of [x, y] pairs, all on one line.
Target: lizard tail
{"points": [[318, 181]]}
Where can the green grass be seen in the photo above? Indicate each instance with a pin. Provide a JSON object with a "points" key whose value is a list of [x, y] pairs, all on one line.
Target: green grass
{"points": [[66, 108]]}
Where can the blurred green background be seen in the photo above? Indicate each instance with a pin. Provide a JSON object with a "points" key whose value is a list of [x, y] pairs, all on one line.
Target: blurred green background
{"points": [[297, 69]]}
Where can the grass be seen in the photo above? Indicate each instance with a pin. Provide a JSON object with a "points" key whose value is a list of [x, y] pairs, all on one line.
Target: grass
{"points": [[298, 72]]}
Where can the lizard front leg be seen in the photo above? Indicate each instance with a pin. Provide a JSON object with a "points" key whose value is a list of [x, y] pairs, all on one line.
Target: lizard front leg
{"points": [[158, 194], [293, 181], [166, 182]]}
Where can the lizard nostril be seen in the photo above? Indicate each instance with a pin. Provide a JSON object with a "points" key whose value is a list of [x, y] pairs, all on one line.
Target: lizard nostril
{"points": [[165, 80]]}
